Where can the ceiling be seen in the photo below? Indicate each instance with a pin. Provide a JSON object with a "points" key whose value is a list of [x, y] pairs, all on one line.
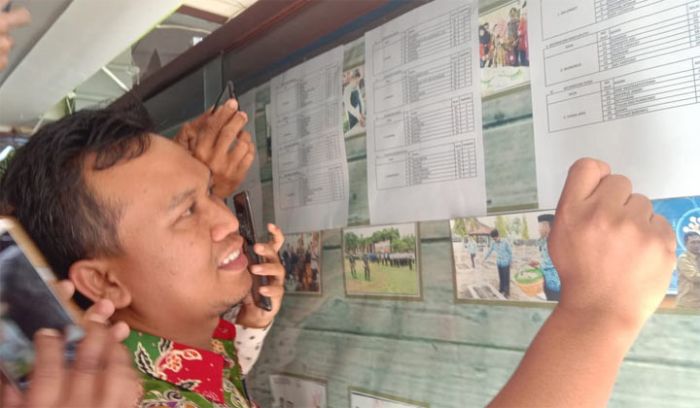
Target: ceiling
{"points": [[93, 51]]}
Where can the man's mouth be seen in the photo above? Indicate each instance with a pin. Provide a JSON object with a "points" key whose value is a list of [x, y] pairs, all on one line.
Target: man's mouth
{"points": [[234, 261]]}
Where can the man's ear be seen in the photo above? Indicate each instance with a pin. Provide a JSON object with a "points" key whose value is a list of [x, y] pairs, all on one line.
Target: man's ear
{"points": [[95, 279]]}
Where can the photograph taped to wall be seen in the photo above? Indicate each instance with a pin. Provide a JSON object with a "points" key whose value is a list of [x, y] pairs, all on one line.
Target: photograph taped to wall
{"points": [[363, 399], [684, 216], [504, 258], [382, 261], [503, 47], [292, 391], [301, 257], [354, 96]]}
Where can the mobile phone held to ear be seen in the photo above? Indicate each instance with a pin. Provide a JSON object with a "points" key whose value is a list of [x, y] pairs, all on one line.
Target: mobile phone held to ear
{"points": [[241, 205], [28, 303]]}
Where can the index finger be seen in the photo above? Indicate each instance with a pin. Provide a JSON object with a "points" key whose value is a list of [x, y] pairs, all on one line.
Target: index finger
{"points": [[223, 115], [49, 369], [583, 179], [277, 237], [15, 18]]}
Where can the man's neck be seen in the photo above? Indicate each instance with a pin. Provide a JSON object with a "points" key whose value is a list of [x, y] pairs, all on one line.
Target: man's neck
{"points": [[194, 335]]}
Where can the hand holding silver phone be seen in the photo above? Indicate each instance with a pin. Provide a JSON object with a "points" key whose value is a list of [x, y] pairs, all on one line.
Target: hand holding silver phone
{"points": [[27, 304]]}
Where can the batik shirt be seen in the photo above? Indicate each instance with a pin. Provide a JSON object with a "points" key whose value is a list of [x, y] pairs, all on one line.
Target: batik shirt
{"points": [[179, 376]]}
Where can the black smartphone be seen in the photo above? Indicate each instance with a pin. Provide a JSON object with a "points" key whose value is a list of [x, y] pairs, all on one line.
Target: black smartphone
{"points": [[28, 303], [241, 205]]}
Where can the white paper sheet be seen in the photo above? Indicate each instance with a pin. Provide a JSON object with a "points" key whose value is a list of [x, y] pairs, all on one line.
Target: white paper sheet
{"points": [[310, 173], [617, 81], [424, 115], [252, 182], [362, 400], [293, 392]]}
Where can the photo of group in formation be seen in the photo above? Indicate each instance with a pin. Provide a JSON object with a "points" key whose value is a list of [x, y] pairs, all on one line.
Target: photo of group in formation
{"points": [[504, 257], [504, 49], [301, 258], [382, 261]]}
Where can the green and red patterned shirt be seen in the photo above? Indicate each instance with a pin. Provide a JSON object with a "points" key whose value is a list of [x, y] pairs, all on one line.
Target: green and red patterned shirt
{"points": [[179, 376]]}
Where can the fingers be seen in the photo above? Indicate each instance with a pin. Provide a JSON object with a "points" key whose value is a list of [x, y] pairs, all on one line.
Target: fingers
{"points": [[640, 206], [120, 331], [15, 18], [268, 269], [584, 177], [272, 291], [6, 42], [101, 311], [64, 289], [11, 397], [664, 230], [229, 132], [613, 190], [187, 136], [49, 372], [121, 386], [212, 127], [277, 237], [89, 362]]}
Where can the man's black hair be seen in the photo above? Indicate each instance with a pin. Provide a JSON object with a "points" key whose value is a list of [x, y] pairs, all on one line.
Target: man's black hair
{"points": [[689, 234], [45, 188], [494, 233], [548, 218]]}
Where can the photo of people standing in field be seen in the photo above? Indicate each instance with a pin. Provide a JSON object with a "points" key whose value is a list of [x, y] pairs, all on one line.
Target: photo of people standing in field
{"points": [[382, 261]]}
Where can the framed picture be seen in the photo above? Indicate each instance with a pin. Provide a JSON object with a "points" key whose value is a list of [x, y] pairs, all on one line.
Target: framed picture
{"points": [[301, 258], [504, 258], [504, 47], [382, 262], [364, 399], [294, 391], [354, 95], [684, 216]]}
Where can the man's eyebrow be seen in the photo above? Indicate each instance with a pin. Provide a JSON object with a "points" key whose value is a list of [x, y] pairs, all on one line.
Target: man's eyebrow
{"points": [[181, 197]]}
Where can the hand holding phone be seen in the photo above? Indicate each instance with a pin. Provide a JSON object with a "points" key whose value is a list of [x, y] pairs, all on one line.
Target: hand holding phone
{"points": [[28, 304], [241, 204]]}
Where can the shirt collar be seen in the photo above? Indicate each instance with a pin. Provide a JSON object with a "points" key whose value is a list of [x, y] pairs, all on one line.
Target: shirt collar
{"points": [[190, 368]]}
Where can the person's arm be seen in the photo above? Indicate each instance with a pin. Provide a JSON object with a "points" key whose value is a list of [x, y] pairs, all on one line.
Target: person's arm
{"points": [[615, 258], [9, 21], [689, 269], [249, 344], [488, 253]]}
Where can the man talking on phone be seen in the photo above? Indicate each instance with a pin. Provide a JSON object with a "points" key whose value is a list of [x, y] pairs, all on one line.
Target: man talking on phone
{"points": [[137, 223]]}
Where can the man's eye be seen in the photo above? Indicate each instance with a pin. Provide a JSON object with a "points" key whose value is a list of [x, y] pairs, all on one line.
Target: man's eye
{"points": [[188, 212]]}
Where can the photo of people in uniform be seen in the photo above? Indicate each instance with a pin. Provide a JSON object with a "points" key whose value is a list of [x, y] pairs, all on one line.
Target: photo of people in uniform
{"points": [[381, 261], [301, 258], [504, 257]]}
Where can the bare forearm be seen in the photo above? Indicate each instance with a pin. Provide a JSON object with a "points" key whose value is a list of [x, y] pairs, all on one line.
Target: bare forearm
{"points": [[572, 362]]}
